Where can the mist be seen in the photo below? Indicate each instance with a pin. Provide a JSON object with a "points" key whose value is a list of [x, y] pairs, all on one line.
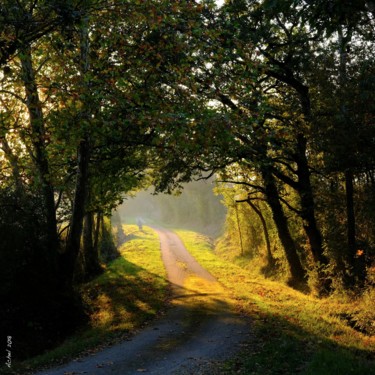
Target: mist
{"points": [[196, 208]]}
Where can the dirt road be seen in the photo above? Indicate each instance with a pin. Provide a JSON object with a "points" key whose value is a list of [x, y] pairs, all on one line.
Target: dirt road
{"points": [[199, 330]]}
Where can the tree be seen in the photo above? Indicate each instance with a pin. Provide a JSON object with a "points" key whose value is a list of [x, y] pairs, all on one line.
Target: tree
{"points": [[351, 28], [81, 130], [24, 22], [260, 68], [38, 140]]}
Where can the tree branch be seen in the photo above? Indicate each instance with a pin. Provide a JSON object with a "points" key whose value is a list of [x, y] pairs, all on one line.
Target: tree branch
{"points": [[257, 187]]}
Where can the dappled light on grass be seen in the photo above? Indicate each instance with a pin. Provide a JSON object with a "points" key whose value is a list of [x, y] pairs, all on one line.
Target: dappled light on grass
{"points": [[131, 291], [288, 322], [209, 296]]}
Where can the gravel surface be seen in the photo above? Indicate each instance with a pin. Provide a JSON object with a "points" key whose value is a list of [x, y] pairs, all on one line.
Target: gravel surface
{"points": [[197, 333]]}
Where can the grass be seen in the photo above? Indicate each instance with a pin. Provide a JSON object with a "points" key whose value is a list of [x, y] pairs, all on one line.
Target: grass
{"points": [[131, 291], [294, 333]]}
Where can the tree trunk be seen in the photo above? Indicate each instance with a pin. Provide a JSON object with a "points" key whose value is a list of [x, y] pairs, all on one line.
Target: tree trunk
{"points": [[40, 157], [13, 161], [270, 258], [108, 248], [91, 256], [76, 223], [99, 215], [356, 265], [349, 191], [308, 205], [239, 228], [356, 261], [304, 184], [83, 159], [116, 221], [298, 274]]}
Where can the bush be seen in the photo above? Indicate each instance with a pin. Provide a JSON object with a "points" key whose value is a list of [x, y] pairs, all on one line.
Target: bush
{"points": [[36, 311]]}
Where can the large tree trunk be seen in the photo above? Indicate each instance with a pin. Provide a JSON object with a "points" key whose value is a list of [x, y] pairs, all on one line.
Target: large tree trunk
{"points": [[304, 184], [79, 205], [297, 272], [83, 159], [356, 265], [308, 205], [308, 216], [304, 187], [40, 157]]}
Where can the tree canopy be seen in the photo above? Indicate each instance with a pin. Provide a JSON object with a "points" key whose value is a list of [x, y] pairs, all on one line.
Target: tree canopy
{"points": [[101, 98]]}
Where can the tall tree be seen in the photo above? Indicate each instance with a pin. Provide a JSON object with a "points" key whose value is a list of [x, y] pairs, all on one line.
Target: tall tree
{"points": [[83, 156], [38, 139]]}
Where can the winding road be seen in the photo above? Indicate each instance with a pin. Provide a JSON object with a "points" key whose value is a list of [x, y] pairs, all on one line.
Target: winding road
{"points": [[199, 330]]}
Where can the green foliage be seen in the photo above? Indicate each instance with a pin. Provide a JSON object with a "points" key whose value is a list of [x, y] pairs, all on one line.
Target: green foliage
{"points": [[268, 92], [243, 230], [364, 317]]}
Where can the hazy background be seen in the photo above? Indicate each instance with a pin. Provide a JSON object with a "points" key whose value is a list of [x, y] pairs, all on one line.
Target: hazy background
{"points": [[196, 208]]}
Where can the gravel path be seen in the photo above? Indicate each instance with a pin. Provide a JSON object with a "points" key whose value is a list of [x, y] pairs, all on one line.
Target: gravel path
{"points": [[197, 332]]}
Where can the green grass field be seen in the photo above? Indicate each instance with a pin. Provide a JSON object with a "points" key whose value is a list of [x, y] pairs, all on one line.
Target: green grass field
{"points": [[294, 333]]}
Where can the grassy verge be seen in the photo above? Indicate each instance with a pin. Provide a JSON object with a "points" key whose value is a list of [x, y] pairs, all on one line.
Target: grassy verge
{"points": [[130, 292], [294, 333]]}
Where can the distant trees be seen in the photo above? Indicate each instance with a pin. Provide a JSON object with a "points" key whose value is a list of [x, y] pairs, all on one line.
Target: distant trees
{"points": [[196, 208]]}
